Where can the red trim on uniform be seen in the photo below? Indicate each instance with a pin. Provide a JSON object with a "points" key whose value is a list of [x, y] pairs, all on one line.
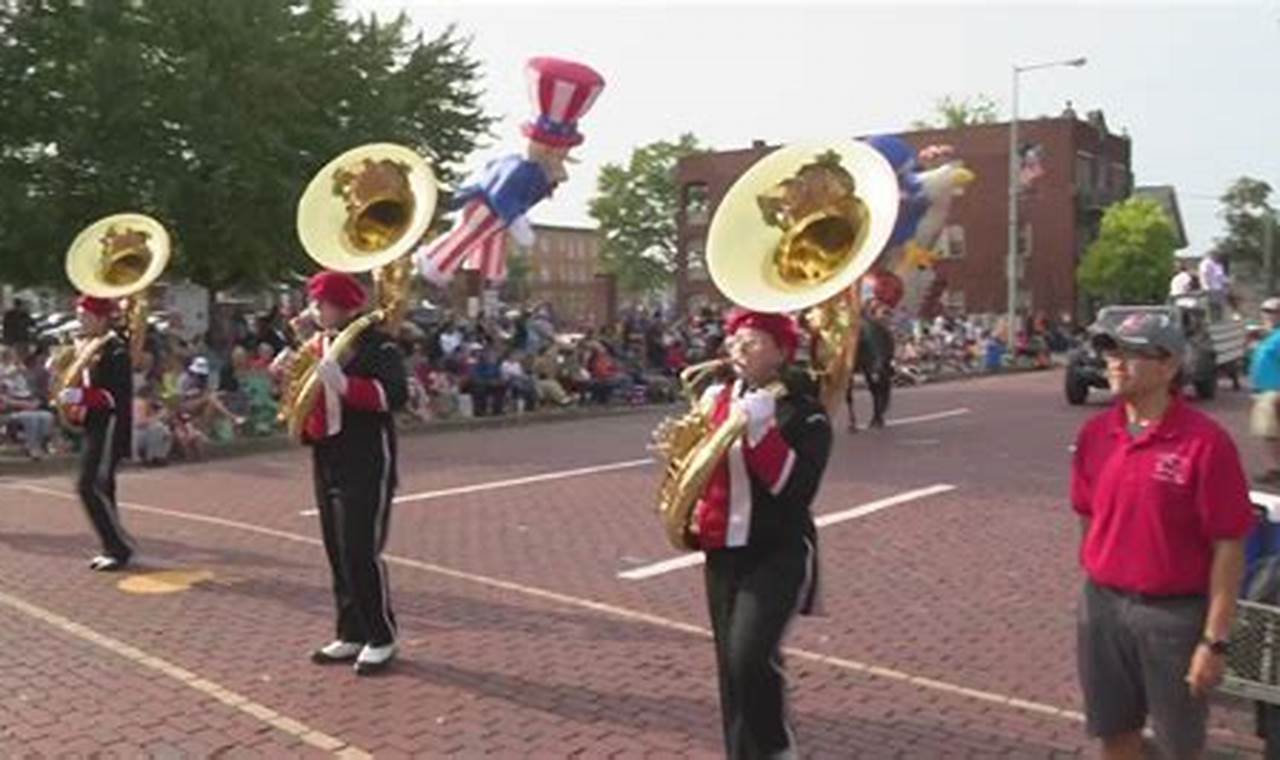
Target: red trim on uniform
{"points": [[97, 398], [365, 394], [315, 427], [770, 460]]}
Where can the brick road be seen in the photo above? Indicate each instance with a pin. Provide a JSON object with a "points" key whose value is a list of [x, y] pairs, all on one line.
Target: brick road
{"points": [[948, 626]]}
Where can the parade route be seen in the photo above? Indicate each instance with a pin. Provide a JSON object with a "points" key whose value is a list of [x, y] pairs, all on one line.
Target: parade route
{"points": [[948, 628]]}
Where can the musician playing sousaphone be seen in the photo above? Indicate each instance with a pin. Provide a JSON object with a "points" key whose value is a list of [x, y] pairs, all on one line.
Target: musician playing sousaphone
{"points": [[114, 259], [362, 212], [745, 464]]}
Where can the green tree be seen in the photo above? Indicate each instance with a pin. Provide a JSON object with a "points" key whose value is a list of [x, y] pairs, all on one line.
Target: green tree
{"points": [[211, 115], [950, 112], [1133, 258], [1246, 210], [635, 207]]}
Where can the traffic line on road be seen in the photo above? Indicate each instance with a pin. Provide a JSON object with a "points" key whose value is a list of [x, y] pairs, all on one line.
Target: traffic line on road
{"points": [[238, 702], [512, 482], [694, 559], [957, 412], [610, 467], [617, 611]]}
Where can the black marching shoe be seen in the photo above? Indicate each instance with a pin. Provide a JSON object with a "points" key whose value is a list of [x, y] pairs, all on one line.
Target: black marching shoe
{"points": [[336, 652], [374, 659]]}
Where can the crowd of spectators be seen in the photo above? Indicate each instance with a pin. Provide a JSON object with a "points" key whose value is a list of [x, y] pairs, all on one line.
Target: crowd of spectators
{"points": [[187, 394]]}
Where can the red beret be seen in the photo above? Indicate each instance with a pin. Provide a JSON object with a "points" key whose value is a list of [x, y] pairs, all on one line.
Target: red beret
{"points": [[338, 288], [783, 329], [101, 307]]}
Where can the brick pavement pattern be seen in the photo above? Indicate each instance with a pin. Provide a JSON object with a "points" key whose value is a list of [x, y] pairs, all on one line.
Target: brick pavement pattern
{"points": [[948, 629]]}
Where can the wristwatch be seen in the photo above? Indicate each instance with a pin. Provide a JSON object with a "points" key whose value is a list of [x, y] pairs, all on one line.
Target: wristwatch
{"points": [[1217, 646]]}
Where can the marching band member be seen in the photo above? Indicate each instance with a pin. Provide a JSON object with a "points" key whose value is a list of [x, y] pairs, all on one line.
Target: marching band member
{"points": [[353, 442], [754, 523], [103, 403]]}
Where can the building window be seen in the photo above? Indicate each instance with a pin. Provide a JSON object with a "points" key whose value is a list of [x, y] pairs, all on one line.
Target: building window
{"points": [[696, 205], [1084, 171], [695, 251], [953, 300]]}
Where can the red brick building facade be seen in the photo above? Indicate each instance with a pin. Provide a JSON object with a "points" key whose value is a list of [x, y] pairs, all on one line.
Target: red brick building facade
{"points": [[1085, 169]]}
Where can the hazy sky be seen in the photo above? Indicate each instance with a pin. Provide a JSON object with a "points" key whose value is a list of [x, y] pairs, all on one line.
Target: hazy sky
{"points": [[1194, 84]]}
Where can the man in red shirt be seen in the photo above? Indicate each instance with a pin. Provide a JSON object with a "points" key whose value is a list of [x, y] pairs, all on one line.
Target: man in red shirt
{"points": [[1164, 507]]}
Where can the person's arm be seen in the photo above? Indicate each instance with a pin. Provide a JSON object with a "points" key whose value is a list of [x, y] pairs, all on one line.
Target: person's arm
{"points": [[1225, 578], [1226, 513]]}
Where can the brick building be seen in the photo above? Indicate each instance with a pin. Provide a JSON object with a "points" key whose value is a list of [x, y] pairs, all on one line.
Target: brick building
{"points": [[562, 269], [1085, 169]]}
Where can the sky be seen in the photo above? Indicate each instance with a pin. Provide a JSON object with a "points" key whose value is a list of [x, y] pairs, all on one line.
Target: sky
{"points": [[1193, 84]]}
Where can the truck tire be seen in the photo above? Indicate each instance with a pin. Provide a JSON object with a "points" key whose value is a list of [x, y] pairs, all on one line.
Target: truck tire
{"points": [[1076, 388], [1206, 387]]}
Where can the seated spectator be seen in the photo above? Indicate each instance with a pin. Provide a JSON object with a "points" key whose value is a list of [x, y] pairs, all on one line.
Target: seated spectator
{"points": [[519, 383], [485, 385], [199, 405], [152, 437], [261, 359], [607, 377], [546, 370], [19, 406]]}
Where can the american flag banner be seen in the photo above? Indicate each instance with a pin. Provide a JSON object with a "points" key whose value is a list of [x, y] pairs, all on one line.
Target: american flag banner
{"points": [[1030, 165]]}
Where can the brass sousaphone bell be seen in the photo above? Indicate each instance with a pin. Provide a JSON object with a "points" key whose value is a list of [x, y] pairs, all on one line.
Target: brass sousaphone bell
{"points": [[363, 212], [794, 233], [118, 256]]}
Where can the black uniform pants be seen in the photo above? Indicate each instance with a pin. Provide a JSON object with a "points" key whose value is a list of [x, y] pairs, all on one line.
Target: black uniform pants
{"points": [[880, 383], [751, 599], [97, 487], [354, 499]]}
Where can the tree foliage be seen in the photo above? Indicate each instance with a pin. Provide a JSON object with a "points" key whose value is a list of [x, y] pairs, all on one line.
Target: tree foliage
{"points": [[636, 207], [1246, 209], [210, 115], [1132, 260], [950, 112]]}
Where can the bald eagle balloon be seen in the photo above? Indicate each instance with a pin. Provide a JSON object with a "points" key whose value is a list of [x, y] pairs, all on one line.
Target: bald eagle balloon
{"points": [[905, 276]]}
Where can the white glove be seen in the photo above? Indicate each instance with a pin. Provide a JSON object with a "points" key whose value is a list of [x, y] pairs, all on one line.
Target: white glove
{"points": [[71, 396], [759, 407], [522, 232], [331, 375]]}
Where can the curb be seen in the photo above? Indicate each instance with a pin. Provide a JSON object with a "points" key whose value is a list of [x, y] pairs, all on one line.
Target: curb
{"points": [[280, 442]]}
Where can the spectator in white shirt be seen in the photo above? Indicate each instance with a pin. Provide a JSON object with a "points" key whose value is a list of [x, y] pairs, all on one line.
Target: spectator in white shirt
{"points": [[1183, 282]]}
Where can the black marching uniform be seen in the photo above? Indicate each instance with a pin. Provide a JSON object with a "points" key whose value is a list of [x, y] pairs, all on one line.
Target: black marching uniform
{"points": [[875, 361], [757, 582], [107, 399], [355, 477]]}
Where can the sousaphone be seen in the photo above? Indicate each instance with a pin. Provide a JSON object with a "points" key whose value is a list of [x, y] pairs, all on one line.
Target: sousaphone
{"points": [[793, 234], [363, 212], [116, 257]]}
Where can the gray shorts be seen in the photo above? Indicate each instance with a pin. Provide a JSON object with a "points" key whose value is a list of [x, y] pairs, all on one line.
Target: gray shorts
{"points": [[1133, 654]]}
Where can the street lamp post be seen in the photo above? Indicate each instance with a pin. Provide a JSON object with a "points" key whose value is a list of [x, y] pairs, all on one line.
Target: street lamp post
{"points": [[1011, 264]]}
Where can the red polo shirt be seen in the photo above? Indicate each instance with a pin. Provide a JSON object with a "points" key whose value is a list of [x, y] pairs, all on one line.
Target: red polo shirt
{"points": [[1157, 502]]}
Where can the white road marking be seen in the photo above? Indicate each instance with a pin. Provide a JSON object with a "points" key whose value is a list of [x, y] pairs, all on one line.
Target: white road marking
{"points": [[957, 412], [697, 558], [238, 702], [512, 482], [617, 611]]}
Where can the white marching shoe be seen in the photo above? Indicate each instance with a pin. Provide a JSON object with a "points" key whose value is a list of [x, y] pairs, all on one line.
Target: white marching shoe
{"points": [[336, 651], [105, 563], [374, 659]]}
